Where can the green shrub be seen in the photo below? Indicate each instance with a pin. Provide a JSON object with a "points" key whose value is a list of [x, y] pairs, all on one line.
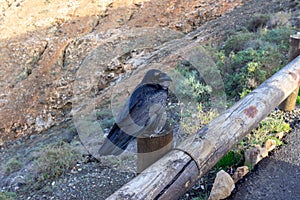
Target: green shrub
{"points": [[190, 85], [231, 159], [245, 61], [248, 59], [237, 42], [279, 37]]}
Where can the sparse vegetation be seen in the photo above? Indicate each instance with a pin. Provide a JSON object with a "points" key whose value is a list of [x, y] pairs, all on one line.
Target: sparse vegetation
{"points": [[106, 118], [13, 165], [54, 160], [193, 119], [267, 129], [248, 58], [8, 195]]}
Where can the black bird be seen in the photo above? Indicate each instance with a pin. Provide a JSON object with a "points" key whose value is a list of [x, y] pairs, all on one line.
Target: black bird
{"points": [[143, 113]]}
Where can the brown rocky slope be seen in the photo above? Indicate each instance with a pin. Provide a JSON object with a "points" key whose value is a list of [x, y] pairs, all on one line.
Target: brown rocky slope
{"points": [[41, 51]]}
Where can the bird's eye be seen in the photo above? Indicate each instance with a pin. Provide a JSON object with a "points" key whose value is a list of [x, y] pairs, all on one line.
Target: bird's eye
{"points": [[156, 74]]}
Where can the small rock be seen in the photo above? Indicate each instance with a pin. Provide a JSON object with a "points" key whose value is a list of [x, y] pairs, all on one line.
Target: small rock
{"points": [[270, 145], [240, 173], [74, 171], [222, 186], [254, 155]]}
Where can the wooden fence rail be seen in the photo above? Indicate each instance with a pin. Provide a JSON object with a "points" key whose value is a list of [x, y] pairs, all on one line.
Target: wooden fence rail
{"points": [[177, 171]]}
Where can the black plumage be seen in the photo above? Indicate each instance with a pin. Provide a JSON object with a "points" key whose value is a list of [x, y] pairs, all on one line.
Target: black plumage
{"points": [[143, 113]]}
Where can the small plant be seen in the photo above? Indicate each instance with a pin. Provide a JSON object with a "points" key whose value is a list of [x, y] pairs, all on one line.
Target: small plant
{"points": [[232, 158], [13, 165], [54, 160], [193, 119], [105, 117], [267, 129], [8, 195], [190, 85], [245, 92]]}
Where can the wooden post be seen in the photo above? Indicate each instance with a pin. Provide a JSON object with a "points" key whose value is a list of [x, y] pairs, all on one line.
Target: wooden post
{"points": [[289, 103], [150, 149], [176, 172]]}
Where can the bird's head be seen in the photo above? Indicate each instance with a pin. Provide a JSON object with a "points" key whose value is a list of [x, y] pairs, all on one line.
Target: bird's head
{"points": [[155, 76]]}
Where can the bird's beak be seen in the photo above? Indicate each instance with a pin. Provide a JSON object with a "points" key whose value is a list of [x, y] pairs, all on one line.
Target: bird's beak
{"points": [[164, 77], [165, 80]]}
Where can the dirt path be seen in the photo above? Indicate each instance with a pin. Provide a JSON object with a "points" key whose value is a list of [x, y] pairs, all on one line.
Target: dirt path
{"points": [[276, 177]]}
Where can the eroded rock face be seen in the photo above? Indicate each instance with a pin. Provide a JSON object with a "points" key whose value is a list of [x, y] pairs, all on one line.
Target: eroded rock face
{"points": [[41, 52]]}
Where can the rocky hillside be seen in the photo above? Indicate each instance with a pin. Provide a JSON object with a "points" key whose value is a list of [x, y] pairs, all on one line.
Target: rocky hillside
{"points": [[41, 50]]}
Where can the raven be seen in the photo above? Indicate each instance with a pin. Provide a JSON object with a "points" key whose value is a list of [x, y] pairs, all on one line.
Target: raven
{"points": [[143, 113]]}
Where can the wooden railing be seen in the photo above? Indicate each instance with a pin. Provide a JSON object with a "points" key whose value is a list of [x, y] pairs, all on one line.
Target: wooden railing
{"points": [[178, 170]]}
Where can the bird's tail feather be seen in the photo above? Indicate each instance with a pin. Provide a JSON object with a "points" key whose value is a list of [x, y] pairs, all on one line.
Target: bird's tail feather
{"points": [[116, 142]]}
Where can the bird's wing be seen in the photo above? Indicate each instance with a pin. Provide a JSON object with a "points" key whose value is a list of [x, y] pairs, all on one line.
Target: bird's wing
{"points": [[143, 108]]}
